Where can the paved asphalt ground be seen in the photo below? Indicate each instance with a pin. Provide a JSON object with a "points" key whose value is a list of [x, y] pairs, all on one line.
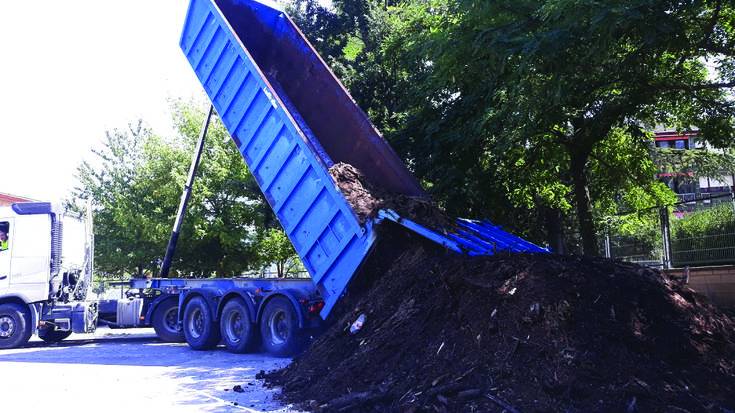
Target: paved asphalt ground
{"points": [[132, 371]]}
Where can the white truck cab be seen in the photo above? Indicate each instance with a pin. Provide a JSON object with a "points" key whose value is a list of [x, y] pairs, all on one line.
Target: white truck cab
{"points": [[45, 273]]}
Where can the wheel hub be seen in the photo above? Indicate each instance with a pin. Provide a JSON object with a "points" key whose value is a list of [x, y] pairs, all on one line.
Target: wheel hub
{"points": [[170, 320], [197, 324], [233, 326], [279, 327], [237, 326], [7, 326]]}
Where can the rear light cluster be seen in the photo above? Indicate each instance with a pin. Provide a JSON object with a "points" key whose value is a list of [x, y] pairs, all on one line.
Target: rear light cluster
{"points": [[315, 308]]}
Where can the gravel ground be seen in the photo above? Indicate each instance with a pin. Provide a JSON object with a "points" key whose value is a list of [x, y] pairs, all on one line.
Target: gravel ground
{"points": [[124, 370]]}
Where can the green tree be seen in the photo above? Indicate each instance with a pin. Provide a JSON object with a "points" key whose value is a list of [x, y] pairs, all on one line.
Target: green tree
{"points": [[135, 182], [274, 248], [705, 236], [701, 163], [551, 99], [110, 184], [349, 37]]}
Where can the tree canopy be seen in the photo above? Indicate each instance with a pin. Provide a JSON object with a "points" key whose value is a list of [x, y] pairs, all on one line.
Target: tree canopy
{"points": [[135, 181], [546, 105]]}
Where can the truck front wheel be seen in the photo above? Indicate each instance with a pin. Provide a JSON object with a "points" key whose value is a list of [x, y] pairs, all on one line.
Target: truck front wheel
{"points": [[279, 327], [15, 328], [200, 330], [239, 333], [165, 321]]}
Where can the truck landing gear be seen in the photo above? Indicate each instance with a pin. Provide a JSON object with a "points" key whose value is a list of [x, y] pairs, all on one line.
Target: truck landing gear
{"points": [[15, 329]]}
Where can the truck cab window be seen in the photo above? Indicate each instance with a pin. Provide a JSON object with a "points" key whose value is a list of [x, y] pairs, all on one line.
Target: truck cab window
{"points": [[4, 231]]}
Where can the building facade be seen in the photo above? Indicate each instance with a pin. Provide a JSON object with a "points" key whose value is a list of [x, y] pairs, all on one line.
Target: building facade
{"points": [[684, 183]]}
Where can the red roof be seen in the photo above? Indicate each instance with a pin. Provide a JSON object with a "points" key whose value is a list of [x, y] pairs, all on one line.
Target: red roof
{"points": [[7, 199], [671, 136]]}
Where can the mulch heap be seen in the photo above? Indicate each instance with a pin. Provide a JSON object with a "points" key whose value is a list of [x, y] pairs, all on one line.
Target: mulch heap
{"points": [[515, 332], [367, 199]]}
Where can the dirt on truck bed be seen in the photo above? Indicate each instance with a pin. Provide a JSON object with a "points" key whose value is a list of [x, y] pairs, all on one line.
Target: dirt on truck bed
{"points": [[515, 332], [367, 199]]}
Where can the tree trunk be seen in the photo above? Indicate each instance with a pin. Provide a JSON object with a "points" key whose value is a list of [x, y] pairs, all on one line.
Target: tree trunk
{"points": [[555, 231], [582, 197]]}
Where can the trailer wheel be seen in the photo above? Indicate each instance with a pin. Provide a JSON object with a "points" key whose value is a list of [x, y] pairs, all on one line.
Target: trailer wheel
{"points": [[200, 330], [279, 327], [53, 336], [239, 333], [165, 321], [15, 330]]}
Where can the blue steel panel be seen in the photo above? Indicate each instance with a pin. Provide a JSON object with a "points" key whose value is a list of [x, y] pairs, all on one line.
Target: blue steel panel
{"points": [[268, 130], [221, 70], [488, 231], [251, 106], [346, 262], [283, 183], [237, 93], [317, 219], [274, 160], [211, 57], [296, 202], [471, 237], [312, 222]]}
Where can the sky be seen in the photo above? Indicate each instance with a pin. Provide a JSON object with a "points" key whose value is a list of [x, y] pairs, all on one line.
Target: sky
{"points": [[72, 70]]}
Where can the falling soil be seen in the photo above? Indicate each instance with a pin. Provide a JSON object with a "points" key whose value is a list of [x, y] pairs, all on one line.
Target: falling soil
{"points": [[515, 332], [367, 199]]}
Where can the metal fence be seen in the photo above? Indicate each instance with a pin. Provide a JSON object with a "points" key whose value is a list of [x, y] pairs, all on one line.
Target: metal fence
{"points": [[698, 231]]}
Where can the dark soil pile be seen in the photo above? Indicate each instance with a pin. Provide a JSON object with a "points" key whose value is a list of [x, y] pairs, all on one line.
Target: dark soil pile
{"points": [[510, 332], [519, 333]]}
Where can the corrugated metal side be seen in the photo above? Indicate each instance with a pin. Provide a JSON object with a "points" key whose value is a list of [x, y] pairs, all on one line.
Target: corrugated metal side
{"points": [[316, 217]]}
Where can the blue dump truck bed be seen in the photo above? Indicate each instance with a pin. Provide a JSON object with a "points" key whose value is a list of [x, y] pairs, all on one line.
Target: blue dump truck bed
{"points": [[292, 120]]}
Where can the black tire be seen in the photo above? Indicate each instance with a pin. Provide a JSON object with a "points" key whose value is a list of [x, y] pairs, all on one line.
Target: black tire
{"points": [[279, 328], [200, 329], [165, 321], [15, 326], [53, 336], [238, 332]]}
